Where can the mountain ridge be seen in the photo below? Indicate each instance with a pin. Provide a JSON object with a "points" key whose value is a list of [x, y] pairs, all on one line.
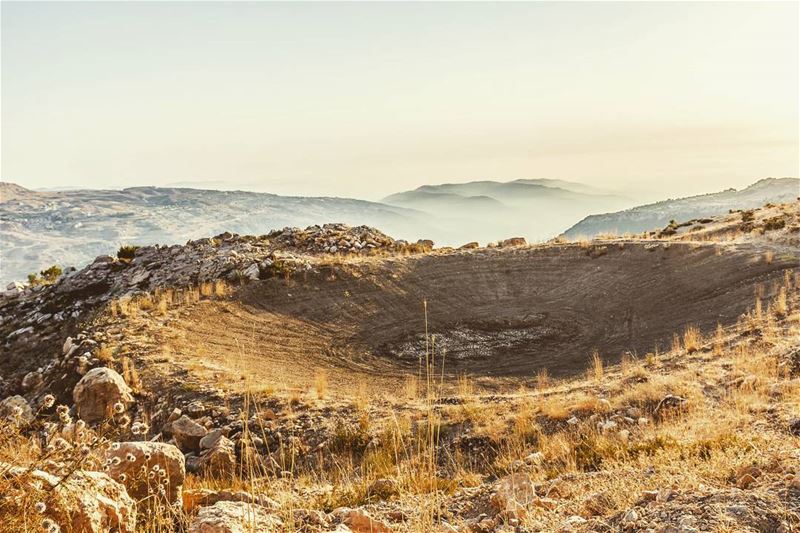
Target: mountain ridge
{"points": [[651, 216]]}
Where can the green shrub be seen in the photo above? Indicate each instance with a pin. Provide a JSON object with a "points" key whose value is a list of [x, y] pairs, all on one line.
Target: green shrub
{"points": [[47, 276], [774, 223], [51, 273], [127, 251]]}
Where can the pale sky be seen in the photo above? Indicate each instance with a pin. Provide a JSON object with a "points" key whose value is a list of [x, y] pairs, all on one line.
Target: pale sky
{"points": [[366, 99]]}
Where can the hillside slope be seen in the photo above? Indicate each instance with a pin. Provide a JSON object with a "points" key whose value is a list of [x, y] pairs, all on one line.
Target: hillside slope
{"points": [[654, 216]]}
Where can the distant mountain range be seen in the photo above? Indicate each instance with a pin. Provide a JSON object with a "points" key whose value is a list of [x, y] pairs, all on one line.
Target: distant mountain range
{"points": [[657, 215], [487, 210], [70, 228]]}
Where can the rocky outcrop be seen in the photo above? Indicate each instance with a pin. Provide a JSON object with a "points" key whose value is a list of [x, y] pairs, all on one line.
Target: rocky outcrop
{"points": [[514, 241], [148, 469], [97, 393], [234, 517]]}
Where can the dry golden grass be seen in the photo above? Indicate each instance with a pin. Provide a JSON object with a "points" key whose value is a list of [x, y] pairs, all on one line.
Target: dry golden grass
{"points": [[718, 431], [105, 354], [542, 379], [596, 369], [466, 387], [321, 384], [692, 339], [718, 345], [780, 305]]}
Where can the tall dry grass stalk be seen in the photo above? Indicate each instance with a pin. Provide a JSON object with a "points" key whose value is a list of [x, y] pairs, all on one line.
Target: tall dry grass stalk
{"points": [[718, 347], [542, 379], [596, 369], [321, 384], [692, 339]]}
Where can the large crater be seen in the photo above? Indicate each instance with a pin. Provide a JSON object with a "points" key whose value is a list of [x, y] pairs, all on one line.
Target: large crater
{"points": [[488, 312]]}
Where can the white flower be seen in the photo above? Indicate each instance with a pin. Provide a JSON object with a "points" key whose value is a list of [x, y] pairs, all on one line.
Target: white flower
{"points": [[48, 401], [40, 507], [119, 407]]}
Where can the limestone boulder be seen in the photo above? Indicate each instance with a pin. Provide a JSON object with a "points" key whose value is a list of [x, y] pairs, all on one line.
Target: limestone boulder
{"points": [[85, 502], [97, 392], [149, 470], [234, 517]]}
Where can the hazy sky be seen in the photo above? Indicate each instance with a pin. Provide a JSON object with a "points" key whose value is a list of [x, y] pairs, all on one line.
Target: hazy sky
{"points": [[365, 99]]}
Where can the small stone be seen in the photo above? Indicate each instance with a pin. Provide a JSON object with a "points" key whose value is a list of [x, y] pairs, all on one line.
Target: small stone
{"points": [[360, 521], [630, 517], [536, 458]]}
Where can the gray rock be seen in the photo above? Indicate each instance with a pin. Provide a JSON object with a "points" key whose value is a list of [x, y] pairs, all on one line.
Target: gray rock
{"points": [[16, 408], [187, 433]]}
